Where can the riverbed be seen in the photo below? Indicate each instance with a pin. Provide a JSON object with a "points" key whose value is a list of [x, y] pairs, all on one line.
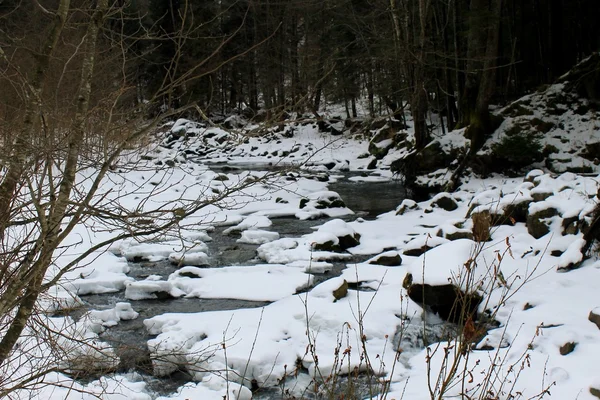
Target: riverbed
{"points": [[365, 199]]}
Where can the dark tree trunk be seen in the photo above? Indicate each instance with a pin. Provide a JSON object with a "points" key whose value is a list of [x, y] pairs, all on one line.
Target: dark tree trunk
{"points": [[418, 109], [480, 75]]}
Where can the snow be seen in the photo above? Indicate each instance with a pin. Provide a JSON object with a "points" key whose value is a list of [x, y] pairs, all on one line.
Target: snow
{"points": [[538, 304], [253, 283], [98, 320], [251, 222], [196, 258], [288, 250], [258, 236], [337, 227], [211, 389], [150, 289]]}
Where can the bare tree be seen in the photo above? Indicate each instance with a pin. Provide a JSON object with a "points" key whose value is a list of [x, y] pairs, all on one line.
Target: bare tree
{"points": [[59, 152]]}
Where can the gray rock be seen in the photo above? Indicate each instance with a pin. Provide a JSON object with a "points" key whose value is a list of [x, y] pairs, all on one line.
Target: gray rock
{"points": [[376, 149], [541, 196], [448, 301], [537, 224], [349, 241], [460, 234], [517, 212], [417, 251], [388, 259], [445, 202]]}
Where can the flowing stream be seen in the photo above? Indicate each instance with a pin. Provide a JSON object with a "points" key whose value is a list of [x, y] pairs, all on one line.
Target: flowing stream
{"points": [[366, 199]]}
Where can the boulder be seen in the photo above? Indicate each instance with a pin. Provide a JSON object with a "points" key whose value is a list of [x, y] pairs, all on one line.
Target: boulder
{"points": [[445, 202], [517, 211], [322, 200], [459, 234], [189, 272], [372, 164], [382, 142], [540, 196], [447, 301], [429, 159], [196, 259], [335, 235], [567, 348], [329, 245], [591, 151], [417, 336], [532, 175], [349, 241], [594, 316], [496, 215], [406, 205], [134, 358], [422, 244], [341, 291], [417, 251], [584, 78], [151, 289], [570, 225], [537, 224], [388, 259]]}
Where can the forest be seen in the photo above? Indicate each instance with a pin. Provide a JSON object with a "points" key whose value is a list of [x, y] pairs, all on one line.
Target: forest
{"points": [[145, 144], [450, 57]]}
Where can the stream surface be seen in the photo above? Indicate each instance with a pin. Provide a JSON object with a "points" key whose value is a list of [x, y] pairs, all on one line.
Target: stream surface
{"points": [[366, 199]]}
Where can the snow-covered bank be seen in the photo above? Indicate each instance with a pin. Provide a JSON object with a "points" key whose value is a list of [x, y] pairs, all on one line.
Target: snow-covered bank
{"points": [[524, 272], [540, 309]]}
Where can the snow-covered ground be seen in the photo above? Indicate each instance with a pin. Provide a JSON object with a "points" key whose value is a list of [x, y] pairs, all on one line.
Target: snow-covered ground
{"points": [[362, 320]]}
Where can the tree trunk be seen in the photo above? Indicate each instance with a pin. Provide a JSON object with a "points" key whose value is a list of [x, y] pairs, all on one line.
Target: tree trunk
{"points": [[480, 75], [418, 109], [50, 237], [480, 81], [34, 88]]}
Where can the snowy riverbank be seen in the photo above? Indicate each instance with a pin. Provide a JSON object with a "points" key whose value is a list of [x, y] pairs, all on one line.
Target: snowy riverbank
{"points": [[540, 303]]}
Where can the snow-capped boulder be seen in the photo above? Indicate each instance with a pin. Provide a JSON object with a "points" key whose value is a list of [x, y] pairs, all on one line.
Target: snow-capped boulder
{"points": [[196, 259], [447, 301], [388, 259], [444, 201], [151, 288], [406, 205], [594, 316], [335, 235], [538, 220]]}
